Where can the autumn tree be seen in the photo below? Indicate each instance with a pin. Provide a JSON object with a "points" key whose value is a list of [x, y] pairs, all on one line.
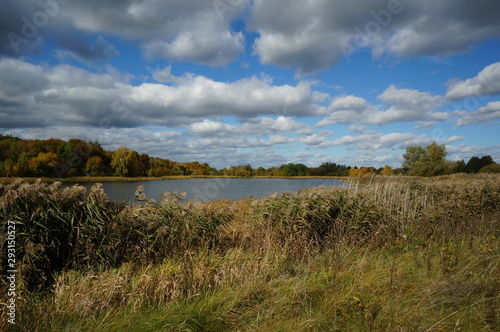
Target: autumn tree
{"points": [[160, 167], [95, 166], [387, 170], [142, 165], [43, 164], [363, 171], [124, 162], [243, 171], [426, 161]]}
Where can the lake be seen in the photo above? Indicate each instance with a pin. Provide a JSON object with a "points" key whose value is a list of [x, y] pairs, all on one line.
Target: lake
{"points": [[202, 189]]}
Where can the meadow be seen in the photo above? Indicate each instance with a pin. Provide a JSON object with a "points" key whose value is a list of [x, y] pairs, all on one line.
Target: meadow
{"points": [[390, 254]]}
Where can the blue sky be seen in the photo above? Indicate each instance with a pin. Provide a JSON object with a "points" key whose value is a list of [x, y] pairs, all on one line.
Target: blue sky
{"points": [[264, 82]]}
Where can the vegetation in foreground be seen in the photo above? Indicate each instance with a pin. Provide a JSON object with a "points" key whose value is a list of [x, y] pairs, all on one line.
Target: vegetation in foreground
{"points": [[394, 254]]}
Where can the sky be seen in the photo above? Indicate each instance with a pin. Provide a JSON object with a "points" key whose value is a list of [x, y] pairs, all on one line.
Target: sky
{"points": [[265, 82]]}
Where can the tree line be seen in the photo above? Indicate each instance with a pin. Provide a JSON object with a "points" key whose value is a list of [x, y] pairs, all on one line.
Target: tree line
{"points": [[431, 160], [58, 158], [75, 157]]}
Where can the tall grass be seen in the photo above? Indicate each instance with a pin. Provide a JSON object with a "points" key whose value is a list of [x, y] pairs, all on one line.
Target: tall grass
{"points": [[392, 254]]}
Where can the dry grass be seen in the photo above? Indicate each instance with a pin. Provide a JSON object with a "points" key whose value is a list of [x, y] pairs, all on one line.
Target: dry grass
{"points": [[393, 254]]}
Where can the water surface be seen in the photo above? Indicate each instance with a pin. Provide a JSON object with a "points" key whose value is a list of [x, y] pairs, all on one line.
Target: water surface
{"points": [[203, 189]]}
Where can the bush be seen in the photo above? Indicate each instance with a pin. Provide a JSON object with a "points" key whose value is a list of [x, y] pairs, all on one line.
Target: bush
{"points": [[491, 168]]}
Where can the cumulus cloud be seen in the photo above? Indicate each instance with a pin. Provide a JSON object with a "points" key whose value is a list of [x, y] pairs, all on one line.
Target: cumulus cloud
{"points": [[32, 95], [82, 50], [204, 44], [404, 105], [465, 152], [309, 36], [487, 82], [487, 114], [377, 141], [191, 30], [306, 36]]}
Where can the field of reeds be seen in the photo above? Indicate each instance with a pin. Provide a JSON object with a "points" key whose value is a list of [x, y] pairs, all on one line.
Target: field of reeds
{"points": [[392, 254]]}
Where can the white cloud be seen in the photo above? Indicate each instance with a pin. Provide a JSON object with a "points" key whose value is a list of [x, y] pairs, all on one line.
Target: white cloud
{"points": [[377, 141], [488, 114], [32, 95], [487, 82], [214, 46], [309, 36], [405, 105], [189, 30], [211, 128], [306, 36], [465, 152]]}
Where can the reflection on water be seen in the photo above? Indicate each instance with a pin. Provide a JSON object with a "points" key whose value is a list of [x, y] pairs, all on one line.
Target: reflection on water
{"points": [[203, 189]]}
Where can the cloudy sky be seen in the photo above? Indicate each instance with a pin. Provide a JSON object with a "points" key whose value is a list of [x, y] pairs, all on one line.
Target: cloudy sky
{"points": [[263, 82]]}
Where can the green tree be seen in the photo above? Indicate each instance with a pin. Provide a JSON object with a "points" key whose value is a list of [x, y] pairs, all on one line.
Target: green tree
{"points": [[426, 161], [491, 168], [413, 154], [124, 162], [458, 167], [475, 163], [295, 169]]}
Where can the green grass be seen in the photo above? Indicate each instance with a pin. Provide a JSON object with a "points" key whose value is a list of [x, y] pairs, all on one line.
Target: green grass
{"points": [[394, 254]]}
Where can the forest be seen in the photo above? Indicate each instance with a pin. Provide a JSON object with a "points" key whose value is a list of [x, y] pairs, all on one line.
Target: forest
{"points": [[56, 158]]}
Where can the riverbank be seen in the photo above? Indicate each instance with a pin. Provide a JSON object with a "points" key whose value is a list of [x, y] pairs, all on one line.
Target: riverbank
{"points": [[397, 254], [87, 179], [95, 179]]}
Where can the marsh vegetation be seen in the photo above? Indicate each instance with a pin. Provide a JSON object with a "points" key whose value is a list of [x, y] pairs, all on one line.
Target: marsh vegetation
{"points": [[393, 254]]}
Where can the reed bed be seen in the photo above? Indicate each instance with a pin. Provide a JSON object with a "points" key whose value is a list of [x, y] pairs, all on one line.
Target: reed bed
{"points": [[389, 254]]}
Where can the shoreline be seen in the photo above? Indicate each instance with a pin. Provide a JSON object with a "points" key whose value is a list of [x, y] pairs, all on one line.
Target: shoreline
{"points": [[161, 178]]}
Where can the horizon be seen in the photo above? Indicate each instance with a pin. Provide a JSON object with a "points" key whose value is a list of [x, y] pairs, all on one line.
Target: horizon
{"points": [[265, 83]]}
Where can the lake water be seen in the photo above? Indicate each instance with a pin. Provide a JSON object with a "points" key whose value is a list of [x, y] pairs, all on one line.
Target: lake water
{"points": [[203, 189]]}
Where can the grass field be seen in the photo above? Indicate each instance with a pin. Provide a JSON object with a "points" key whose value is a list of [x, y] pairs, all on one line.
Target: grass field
{"points": [[393, 254]]}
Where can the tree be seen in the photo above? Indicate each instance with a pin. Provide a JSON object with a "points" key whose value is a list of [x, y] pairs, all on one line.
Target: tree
{"points": [[426, 161], [436, 159], [491, 168], [458, 167], [43, 164], [124, 162], [412, 155], [142, 164], [295, 169], [95, 166], [330, 169], [387, 170], [475, 163]]}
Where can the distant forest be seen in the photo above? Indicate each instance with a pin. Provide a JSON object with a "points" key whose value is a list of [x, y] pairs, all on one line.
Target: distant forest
{"points": [[55, 158]]}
